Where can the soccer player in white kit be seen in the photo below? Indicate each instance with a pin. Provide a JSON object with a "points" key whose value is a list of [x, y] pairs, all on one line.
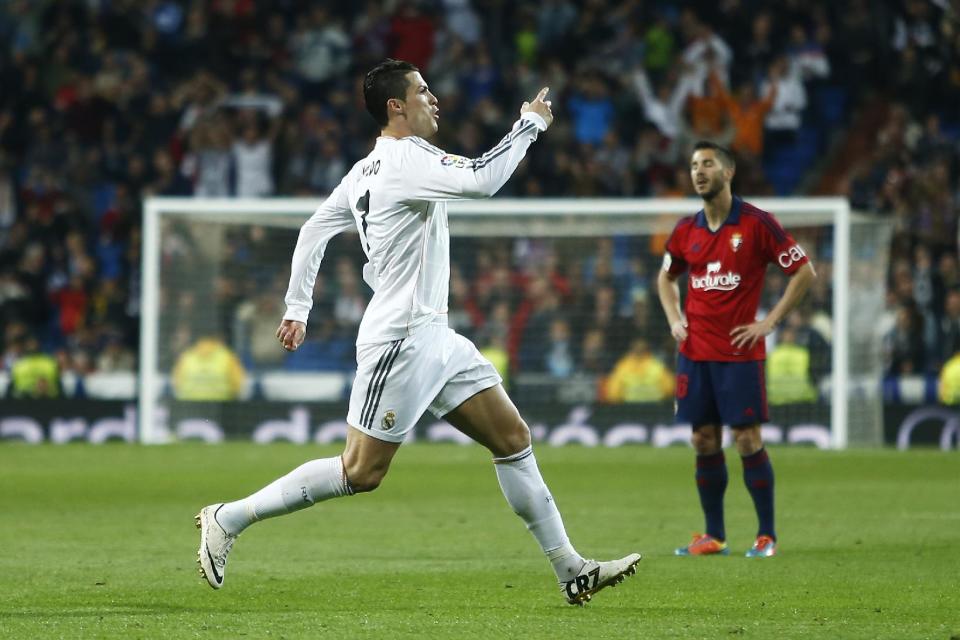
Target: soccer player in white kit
{"points": [[408, 359]]}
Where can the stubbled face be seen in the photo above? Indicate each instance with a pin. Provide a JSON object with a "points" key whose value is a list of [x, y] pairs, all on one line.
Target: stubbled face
{"points": [[708, 174], [420, 107]]}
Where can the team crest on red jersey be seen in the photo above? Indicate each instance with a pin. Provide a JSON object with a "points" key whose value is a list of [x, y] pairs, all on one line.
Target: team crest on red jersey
{"points": [[736, 241]]}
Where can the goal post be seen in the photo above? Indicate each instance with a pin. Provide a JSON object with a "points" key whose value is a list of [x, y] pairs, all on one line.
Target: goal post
{"points": [[847, 238]]}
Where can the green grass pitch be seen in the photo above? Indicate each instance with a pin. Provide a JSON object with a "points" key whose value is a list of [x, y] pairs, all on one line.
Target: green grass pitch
{"points": [[98, 542]]}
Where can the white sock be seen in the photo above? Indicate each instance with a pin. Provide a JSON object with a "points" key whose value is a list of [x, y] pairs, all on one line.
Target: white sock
{"points": [[311, 482], [526, 492]]}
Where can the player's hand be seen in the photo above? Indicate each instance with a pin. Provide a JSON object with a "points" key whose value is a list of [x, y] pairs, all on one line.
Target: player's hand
{"points": [[540, 106], [679, 330], [746, 335], [291, 333]]}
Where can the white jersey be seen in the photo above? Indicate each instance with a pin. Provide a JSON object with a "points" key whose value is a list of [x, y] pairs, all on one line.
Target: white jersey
{"points": [[396, 197]]}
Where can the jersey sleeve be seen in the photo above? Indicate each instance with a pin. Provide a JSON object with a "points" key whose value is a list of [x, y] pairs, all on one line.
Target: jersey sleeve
{"points": [[430, 173], [779, 246], [332, 217], [673, 260]]}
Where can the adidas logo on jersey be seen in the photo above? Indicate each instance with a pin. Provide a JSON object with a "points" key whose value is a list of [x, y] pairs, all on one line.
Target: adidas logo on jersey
{"points": [[713, 280]]}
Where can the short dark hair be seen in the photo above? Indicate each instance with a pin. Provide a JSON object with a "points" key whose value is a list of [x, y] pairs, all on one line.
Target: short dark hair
{"points": [[726, 156], [386, 80]]}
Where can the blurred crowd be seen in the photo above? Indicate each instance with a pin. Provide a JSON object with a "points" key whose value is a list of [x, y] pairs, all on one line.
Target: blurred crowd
{"points": [[105, 102]]}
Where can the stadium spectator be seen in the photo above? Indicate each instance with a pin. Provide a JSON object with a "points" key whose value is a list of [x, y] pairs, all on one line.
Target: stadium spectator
{"points": [[411, 34], [321, 50], [949, 338], [255, 319], [747, 113], [34, 374], [208, 372], [639, 377], [463, 316], [115, 356], [559, 359], [555, 21], [659, 45], [253, 156], [783, 121], [595, 356], [707, 114], [806, 54], [788, 371], [211, 159], [949, 387], [495, 350], [663, 108], [706, 53], [904, 352], [350, 301], [591, 109], [532, 324], [760, 49]]}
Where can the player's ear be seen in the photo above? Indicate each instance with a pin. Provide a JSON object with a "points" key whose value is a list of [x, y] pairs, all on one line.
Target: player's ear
{"points": [[395, 106]]}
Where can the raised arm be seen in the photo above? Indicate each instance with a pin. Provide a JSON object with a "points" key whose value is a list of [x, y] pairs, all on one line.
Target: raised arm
{"points": [[436, 175], [641, 84]]}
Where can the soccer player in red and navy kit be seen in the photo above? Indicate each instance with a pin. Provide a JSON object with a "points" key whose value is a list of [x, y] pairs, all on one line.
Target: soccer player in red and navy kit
{"points": [[726, 248]]}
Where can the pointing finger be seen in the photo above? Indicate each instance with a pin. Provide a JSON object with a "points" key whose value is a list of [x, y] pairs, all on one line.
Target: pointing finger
{"points": [[543, 93]]}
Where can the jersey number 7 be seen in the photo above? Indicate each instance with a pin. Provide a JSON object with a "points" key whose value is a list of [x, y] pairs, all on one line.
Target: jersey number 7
{"points": [[363, 204]]}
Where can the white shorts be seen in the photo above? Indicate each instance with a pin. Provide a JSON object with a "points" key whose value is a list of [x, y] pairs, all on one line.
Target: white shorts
{"points": [[397, 381]]}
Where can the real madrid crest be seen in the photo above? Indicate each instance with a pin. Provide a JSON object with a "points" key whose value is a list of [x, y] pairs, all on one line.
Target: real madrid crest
{"points": [[389, 419], [736, 240]]}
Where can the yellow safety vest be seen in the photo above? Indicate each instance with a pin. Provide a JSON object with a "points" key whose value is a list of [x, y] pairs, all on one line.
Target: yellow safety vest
{"points": [[642, 379], [788, 375], [208, 371], [36, 375], [500, 361], [950, 381]]}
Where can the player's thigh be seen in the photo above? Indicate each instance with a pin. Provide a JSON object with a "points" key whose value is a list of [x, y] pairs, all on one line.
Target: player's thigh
{"points": [[741, 392], [490, 418], [695, 393]]}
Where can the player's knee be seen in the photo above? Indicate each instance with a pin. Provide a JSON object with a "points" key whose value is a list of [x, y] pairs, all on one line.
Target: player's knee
{"points": [[513, 440], [365, 479], [747, 440], [705, 441]]}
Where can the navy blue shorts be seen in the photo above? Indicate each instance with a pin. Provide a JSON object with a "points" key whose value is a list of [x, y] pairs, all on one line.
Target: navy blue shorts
{"points": [[730, 393]]}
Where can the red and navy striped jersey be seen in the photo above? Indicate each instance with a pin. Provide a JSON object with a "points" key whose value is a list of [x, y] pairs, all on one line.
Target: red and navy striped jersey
{"points": [[727, 268]]}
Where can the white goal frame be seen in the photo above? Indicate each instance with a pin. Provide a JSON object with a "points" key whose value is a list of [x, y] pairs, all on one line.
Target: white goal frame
{"points": [[506, 217]]}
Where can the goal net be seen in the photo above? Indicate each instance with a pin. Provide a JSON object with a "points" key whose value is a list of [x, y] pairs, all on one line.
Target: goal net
{"points": [[560, 294]]}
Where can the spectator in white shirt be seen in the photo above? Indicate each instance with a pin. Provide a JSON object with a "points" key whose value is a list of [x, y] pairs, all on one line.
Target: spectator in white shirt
{"points": [[663, 109], [786, 115]]}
